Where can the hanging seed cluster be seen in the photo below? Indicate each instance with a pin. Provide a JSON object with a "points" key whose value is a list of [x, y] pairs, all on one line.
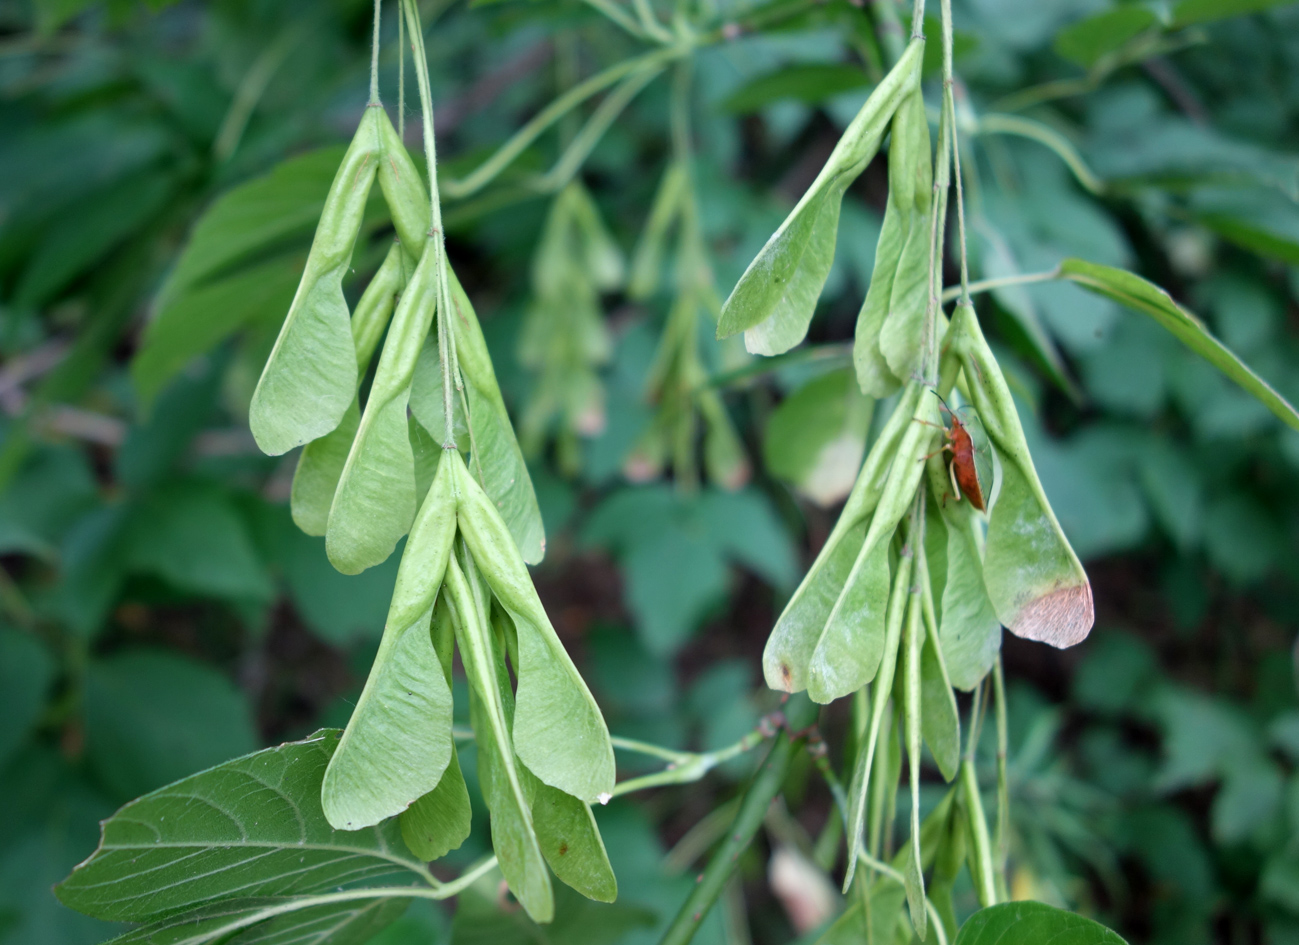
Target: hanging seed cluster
{"points": [[906, 599], [564, 340], [676, 384], [369, 475]]}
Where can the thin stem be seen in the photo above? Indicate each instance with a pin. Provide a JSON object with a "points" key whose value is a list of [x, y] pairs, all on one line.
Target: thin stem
{"points": [[981, 863], [401, 76], [766, 785], [650, 23], [685, 767], [446, 335], [599, 122], [1003, 788], [888, 27], [1001, 124], [917, 19], [250, 91], [949, 107], [880, 866], [515, 146], [937, 225], [615, 13], [374, 58], [989, 285]]}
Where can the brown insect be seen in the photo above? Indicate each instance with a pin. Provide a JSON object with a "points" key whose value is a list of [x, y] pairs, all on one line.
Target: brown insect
{"points": [[970, 466]]}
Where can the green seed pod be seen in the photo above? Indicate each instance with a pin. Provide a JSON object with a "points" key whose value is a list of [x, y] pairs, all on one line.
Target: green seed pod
{"points": [[440, 821], [375, 500], [559, 732], [403, 189], [601, 258], [514, 837], [900, 335], [881, 691], [887, 341], [799, 632], [496, 456], [939, 721], [310, 376], [913, 632], [969, 630], [774, 299], [397, 744], [725, 460], [1034, 579], [321, 464]]}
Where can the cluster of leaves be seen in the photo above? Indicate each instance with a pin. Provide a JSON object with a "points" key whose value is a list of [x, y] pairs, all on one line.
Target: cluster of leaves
{"points": [[134, 516]]}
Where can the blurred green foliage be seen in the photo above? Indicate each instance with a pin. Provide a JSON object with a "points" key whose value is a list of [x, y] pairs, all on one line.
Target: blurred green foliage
{"points": [[160, 175]]}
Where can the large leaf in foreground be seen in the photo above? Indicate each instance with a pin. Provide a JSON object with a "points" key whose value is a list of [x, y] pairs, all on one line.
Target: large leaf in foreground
{"points": [[251, 827], [1032, 923], [1143, 296], [272, 922]]}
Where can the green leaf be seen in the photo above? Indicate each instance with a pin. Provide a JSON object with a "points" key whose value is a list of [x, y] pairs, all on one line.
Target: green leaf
{"points": [[398, 742], [559, 732], [1089, 40], [1138, 294], [807, 82], [1031, 923], [87, 232], [496, 459], [311, 375], [26, 671], [254, 922], [1035, 582], [940, 723], [152, 717], [1189, 12], [196, 320], [374, 503], [249, 827], [254, 217], [816, 438], [774, 299], [191, 535], [47, 498]]}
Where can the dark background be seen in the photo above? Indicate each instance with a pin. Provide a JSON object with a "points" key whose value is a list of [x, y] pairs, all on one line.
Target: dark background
{"points": [[160, 613]]}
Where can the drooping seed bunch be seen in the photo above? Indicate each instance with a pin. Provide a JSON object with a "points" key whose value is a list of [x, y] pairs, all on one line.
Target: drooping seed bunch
{"points": [[564, 338], [368, 476], [676, 381], [907, 597]]}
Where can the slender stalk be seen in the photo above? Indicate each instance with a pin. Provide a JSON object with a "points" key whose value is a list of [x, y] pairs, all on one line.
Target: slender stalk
{"points": [[374, 57], [989, 285], [685, 767], [800, 713], [880, 866], [949, 108], [981, 860], [556, 110], [401, 76], [994, 124], [1002, 839], [613, 12], [585, 141], [446, 335], [917, 19]]}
